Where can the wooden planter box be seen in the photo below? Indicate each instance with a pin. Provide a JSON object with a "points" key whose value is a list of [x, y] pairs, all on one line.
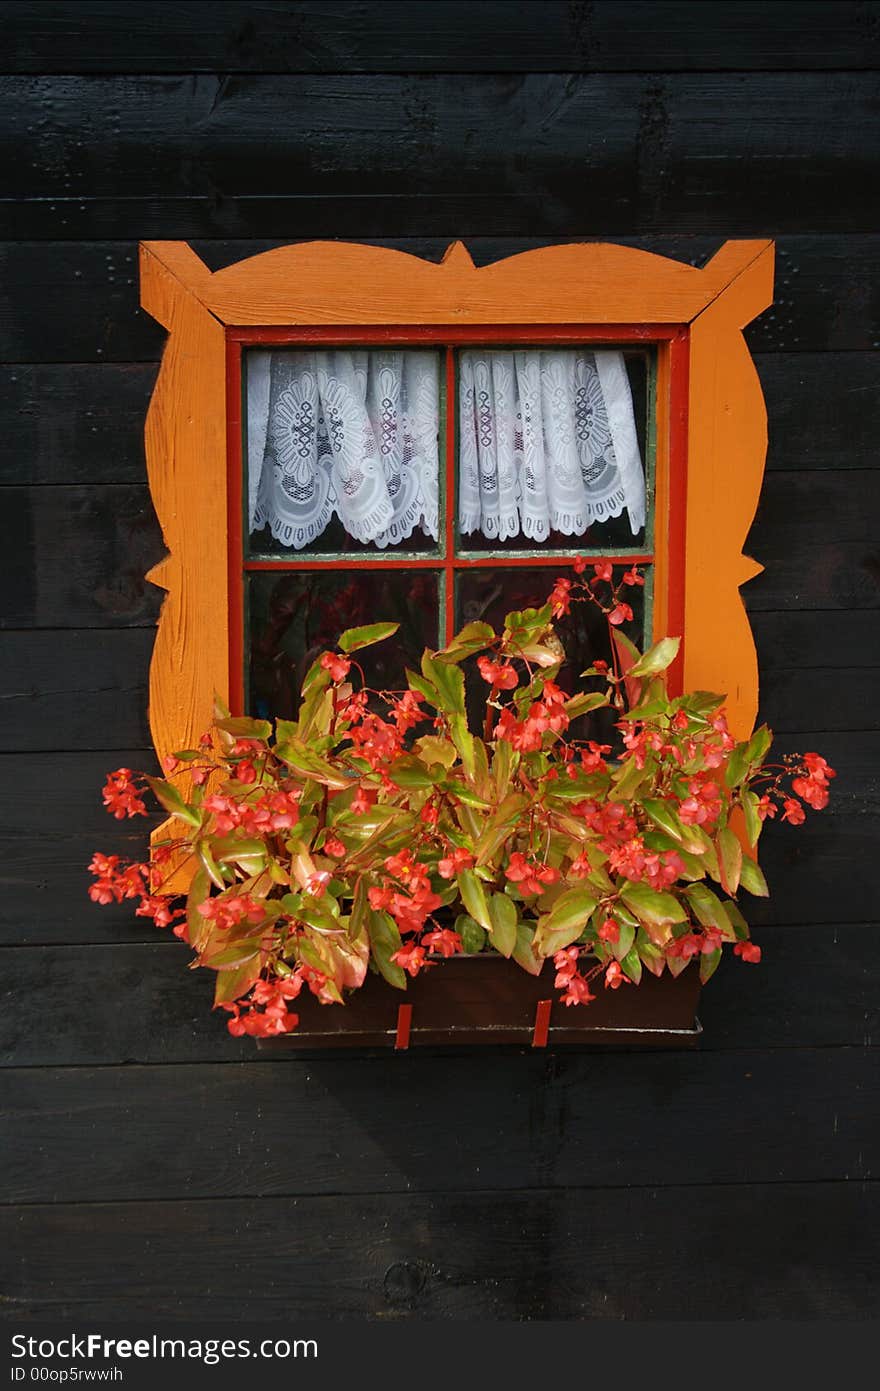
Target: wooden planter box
{"points": [[486, 1000]]}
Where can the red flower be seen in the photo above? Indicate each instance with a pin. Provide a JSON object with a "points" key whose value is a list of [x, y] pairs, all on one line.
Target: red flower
{"points": [[632, 577], [442, 941], [560, 598], [531, 877], [749, 951], [459, 859], [411, 958], [614, 977], [609, 931], [364, 798], [501, 675], [621, 613], [334, 846], [338, 667], [766, 807], [121, 796], [577, 991], [603, 570], [793, 812], [580, 564], [406, 713]]}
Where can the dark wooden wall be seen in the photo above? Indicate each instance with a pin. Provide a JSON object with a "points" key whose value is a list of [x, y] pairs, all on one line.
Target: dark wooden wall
{"points": [[153, 1164]]}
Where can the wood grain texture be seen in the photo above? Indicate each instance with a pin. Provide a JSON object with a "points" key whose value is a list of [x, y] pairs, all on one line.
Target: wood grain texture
{"points": [[726, 449], [437, 36], [74, 689], [726, 153], [702, 1114], [136, 1002], [733, 1251], [827, 287]]}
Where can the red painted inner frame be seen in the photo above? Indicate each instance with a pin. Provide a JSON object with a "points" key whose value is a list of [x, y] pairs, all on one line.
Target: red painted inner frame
{"points": [[674, 337]]}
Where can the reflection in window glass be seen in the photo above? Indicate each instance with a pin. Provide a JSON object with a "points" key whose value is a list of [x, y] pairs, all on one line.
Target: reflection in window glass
{"points": [[342, 450], [295, 615], [551, 448]]}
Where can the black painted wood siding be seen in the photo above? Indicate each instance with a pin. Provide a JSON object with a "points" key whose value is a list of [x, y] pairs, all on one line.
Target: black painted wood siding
{"points": [[154, 1164]]}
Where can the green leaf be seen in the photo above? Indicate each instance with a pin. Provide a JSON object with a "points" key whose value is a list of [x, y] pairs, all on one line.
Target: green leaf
{"points": [[750, 802], [709, 964], [210, 865], [652, 907], [624, 942], [169, 798], [524, 951], [198, 928], [474, 637], [411, 773], [583, 703], [631, 966], [657, 658], [304, 761], [752, 878], [740, 926], [628, 779], [709, 910], [650, 954], [237, 981], [449, 682], [499, 826], [502, 911], [235, 955], [242, 727], [662, 815], [759, 744], [737, 765], [474, 898], [571, 909], [433, 750], [473, 937], [384, 942], [353, 639], [730, 857]]}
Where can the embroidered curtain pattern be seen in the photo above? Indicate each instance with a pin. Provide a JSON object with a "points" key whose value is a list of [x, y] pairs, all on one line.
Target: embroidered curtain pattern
{"points": [[347, 433], [547, 442]]}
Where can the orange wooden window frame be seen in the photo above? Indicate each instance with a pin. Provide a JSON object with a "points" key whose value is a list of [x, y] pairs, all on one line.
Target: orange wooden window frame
{"points": [[711, 421]]}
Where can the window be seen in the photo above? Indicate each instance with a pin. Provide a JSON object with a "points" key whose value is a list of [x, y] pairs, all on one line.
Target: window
{"points": [[273, 362], [356, 503]]}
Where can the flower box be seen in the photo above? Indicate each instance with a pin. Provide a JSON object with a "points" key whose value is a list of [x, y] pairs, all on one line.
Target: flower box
{"points": [[481, 999]]}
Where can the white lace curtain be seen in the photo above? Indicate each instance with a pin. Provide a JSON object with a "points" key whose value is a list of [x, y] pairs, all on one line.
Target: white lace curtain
{"points": [[347, 433], [547, 443]]}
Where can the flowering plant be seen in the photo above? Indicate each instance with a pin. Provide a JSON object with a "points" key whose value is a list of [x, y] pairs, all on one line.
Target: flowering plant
{"points": [[378, 831]]}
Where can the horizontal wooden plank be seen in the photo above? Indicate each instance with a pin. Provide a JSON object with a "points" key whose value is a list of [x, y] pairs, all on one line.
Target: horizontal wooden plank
{"points": [[813, 638], [76, 423], [137, 1133], [815, 987], [686, 152], [814, 532], [83, 423], [77, 555], [435, 36], [744, 1251], [827, 294], [823, 409], [75, 689], [835, 698]]}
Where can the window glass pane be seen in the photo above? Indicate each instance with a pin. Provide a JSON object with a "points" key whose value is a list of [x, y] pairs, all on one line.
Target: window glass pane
{"points": [[341, 450], [488, 595], [294, 615], [552, 449]]}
